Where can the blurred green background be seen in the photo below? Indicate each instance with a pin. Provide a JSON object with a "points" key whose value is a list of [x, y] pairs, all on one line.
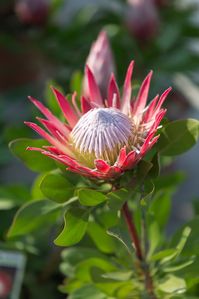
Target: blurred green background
{"points": [[47, 42]]}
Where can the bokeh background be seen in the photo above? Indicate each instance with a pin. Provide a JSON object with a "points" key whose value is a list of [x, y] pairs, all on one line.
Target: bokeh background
{"points": [[46, 42]]}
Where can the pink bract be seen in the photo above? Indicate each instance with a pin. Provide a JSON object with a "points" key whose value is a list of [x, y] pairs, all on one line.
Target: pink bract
{"points": [[101, 62], [145, 121]]}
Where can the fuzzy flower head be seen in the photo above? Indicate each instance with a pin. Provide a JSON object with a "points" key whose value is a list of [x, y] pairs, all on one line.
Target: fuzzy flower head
{"points": [[107, 136]]}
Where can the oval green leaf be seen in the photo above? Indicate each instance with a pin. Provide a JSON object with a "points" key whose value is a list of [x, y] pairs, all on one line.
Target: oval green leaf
{"points": [[57, 188], [172, 284], [102, 240], [33, 215], [178, 137], [75, 225], [89, 197]]}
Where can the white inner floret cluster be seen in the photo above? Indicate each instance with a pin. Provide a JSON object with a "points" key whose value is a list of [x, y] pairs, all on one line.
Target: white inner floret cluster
{"points": [[100, 134]]}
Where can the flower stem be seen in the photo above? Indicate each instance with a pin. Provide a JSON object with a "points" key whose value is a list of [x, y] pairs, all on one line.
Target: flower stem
{"points": [[132, 231], [138, 251]]}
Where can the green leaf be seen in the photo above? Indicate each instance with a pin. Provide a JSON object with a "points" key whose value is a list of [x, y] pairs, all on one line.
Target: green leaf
{"points": [[57, 188], [155, 237], [75, 225], [32, 216], [105, 284], [107, 217], [172, 284], [118, 276], [162, 254], [191, 247], [73, 256], [146, 193], [102, 240], [179, 266], [35, 189], [7, 204], [155, 170], [161, 215], [87, 292], [121, 236], [89, 197], [117, 199], [191, 273], [83, 270], [32, 159], [13, 195], [196, 206], [143, 169], [170, 181], [178, 136], [179, 247], [76, 82]]}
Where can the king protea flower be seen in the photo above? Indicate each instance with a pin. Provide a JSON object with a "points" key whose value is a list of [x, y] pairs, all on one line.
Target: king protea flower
{"points": [[107, 136], [101, 63]]}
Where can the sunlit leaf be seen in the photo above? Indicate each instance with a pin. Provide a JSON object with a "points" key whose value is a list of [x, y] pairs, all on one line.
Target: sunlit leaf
{"points": [[178, 136], [172, 284], [57, 188], [75, 225], [32, 216], [89, 197]]}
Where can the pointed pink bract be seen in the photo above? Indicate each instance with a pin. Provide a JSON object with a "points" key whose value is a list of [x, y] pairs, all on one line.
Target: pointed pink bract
{"points": [[113, 89], [127, 89], [66, 108], [141, 99], [95, 95]]}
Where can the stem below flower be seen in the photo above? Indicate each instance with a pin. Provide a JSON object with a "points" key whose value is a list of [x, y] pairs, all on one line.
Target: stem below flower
{"points": [[138, 250], [132, 231]]}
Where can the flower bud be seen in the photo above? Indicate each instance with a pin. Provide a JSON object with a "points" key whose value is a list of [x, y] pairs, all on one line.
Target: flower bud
{"points": [[101, 63], [142, 19], [32, 12]]}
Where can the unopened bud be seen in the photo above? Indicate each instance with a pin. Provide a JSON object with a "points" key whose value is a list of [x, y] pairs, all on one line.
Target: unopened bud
{"points": [[142, 19], [32, 12], [101, 63]]}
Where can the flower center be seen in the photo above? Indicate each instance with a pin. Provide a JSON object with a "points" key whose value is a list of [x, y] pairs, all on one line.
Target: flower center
{"points": [[100, 134]]}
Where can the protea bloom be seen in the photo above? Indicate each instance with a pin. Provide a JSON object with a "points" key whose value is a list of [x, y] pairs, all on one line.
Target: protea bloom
{"points": [[105, 137], [101, 52]]}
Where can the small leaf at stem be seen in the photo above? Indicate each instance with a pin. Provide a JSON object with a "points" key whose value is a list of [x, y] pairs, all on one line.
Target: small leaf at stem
{"points": [[75, 225], [102, 240], [122, 236], [89, 197], [57, 188]]}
